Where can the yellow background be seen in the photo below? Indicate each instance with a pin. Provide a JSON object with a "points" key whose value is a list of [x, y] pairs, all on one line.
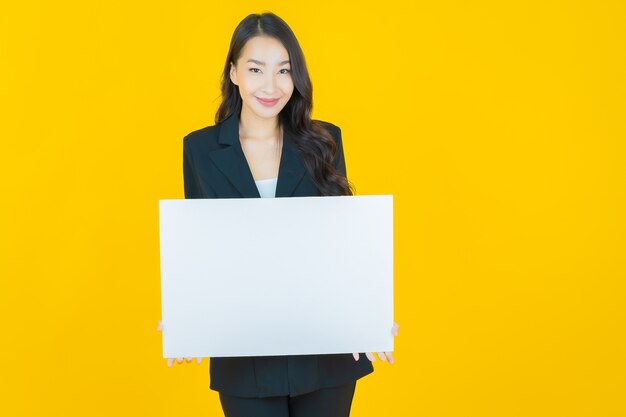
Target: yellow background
{"points": [[498, 127]]}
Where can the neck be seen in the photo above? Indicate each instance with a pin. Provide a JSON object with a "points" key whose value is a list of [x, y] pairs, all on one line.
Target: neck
{"points": [[252, 126]]}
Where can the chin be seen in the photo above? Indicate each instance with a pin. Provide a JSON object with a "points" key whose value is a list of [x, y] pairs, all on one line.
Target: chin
{"points": [[269, 113]]}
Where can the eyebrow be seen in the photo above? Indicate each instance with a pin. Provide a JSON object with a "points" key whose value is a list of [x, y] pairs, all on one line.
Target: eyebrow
{"points": [[256, 61]]}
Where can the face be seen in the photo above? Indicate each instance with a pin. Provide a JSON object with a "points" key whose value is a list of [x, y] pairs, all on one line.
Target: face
{"points": [[262, 72]]}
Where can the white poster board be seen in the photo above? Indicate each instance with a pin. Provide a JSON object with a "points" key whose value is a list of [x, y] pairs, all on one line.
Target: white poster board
{"points": [[276, 276]]}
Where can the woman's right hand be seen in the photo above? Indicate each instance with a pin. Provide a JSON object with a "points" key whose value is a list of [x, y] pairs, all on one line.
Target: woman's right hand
{"points": [[170, 361]]}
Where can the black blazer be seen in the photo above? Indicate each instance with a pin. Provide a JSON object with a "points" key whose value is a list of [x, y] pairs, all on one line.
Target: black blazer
{"points": [[214, 166]]}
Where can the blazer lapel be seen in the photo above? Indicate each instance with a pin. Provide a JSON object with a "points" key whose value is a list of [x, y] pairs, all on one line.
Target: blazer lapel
{"points": [[291, 169], [232, 162]]}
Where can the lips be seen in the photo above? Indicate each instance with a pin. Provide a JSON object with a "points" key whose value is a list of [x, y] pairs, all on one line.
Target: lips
{"points": [[267, 102]]}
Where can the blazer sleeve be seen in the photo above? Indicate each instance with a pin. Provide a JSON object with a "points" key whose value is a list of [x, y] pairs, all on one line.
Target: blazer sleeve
{"points": [[340, 161], [189, 173]]}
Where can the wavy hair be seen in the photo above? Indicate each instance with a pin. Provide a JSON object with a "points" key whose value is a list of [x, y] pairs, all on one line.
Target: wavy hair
{"points": [[315, 143]]}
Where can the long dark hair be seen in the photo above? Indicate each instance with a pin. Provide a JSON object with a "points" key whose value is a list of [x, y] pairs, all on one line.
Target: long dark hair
{"points": [[317, 146]]}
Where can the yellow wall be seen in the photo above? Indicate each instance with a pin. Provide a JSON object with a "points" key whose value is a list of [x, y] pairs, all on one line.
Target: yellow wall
{"points": [[498, 126]]}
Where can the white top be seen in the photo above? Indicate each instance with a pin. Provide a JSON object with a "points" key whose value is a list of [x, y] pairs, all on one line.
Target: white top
{"points": [[267, 187]]}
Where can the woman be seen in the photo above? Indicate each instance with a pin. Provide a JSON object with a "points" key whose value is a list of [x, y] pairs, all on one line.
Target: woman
{"points": [[264, 144]]}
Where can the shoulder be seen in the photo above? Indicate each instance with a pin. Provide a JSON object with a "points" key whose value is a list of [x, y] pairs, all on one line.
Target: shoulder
{"points": [[333, 129], [205, 137]]}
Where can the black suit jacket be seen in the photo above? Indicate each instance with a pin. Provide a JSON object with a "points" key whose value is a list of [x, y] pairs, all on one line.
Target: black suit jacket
{"points": [[214, 166]]}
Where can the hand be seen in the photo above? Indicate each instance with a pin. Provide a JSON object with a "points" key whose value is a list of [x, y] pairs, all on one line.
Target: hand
{"points": [[384, 356], [170, 361]]}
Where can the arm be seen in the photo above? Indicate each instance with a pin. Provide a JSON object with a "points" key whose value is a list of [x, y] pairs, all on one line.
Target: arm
{"points": [[191, 191], [340, 166], [340, 161], [189, 173]]}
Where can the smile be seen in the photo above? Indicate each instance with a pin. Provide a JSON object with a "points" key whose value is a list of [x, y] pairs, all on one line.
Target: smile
{"points": [[267, 103]]}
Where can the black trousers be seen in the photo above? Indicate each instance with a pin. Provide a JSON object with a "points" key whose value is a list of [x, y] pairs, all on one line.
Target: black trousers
{"points": [[325, 402]]}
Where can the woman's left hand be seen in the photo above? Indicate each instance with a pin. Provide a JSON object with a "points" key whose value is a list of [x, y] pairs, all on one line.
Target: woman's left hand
{"points": [[384, 356]]}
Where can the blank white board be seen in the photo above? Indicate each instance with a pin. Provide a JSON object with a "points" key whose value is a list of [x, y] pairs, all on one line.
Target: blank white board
{"points": [[276, 276]]}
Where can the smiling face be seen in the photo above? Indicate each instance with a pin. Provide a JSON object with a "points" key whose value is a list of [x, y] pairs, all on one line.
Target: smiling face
{"points": [[263, 74]]}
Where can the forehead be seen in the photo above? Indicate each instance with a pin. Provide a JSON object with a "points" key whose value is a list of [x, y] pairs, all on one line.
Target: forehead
{"points": [[264, 48]]}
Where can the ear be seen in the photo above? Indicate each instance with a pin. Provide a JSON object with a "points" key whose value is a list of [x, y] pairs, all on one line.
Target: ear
{"points": [[233, 73]]}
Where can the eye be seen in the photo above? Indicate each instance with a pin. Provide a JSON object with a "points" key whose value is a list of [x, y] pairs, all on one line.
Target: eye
{"points": [[254, 69], [285, 69]]}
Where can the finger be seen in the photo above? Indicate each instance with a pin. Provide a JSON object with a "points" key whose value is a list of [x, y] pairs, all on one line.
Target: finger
{"points": [[170, 361], [179, 360], [355, 356], [370, 356], [199, 360], [160, 328], [382, 356], [389, 357], [188, 359], [394, 329]]}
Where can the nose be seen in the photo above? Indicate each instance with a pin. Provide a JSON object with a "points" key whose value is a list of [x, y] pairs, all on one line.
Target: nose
{"points": [[270, 84]]}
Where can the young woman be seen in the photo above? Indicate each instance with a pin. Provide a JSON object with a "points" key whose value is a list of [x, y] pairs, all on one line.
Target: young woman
{"points": [[264, 144]]}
